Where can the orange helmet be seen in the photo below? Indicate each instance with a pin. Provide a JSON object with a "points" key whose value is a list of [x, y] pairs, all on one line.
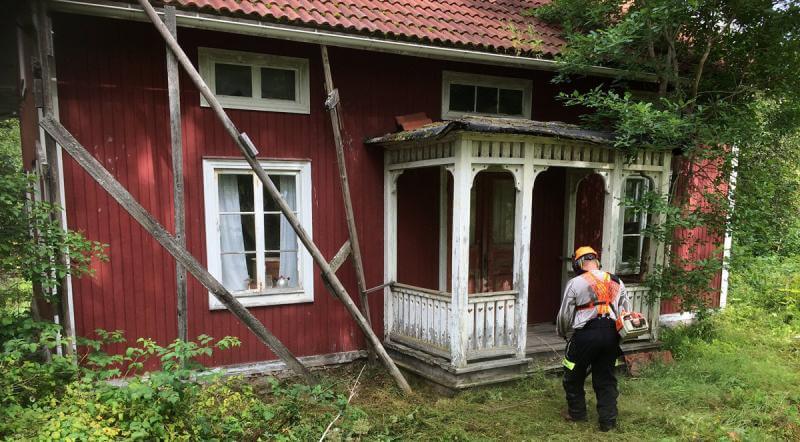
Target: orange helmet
{"points": [[585, 250], [580, 255]]}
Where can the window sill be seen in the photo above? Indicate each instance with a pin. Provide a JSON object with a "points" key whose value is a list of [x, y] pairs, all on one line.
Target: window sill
{"points": [[455, 115], [256, 299], [263, 105]]}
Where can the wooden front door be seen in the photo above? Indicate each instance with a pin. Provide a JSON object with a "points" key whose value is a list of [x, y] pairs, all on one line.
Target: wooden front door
{"points": [[544, 286], [492, 217]]}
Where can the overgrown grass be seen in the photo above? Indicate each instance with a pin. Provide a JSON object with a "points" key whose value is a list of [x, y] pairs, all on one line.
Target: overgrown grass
{"points": [[736, 377]]}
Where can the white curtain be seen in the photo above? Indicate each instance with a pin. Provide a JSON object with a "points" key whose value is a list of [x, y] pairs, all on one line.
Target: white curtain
{"points": [[288, 264], [234, 267]]}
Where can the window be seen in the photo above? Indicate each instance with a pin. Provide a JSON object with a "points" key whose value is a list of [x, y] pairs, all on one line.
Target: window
{"points": [[251, 247], [469, 94], [243, 80], [633, 225]]}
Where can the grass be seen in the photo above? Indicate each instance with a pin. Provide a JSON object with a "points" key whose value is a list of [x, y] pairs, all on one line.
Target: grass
{"points": [[736, 376]]}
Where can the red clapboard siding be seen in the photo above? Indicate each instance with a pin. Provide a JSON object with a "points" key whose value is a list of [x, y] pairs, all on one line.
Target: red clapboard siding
{"points": [[112, 97], [695, 180]]}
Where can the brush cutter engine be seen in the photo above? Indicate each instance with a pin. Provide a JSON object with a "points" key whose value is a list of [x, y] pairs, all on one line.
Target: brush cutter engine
{"points": [[630, 326]]}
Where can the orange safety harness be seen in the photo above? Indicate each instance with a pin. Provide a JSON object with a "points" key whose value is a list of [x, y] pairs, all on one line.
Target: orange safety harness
{"points": [[604, 292]]}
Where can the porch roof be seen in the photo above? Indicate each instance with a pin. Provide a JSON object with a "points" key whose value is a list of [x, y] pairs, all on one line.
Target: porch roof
{"points": [[496, 125]]}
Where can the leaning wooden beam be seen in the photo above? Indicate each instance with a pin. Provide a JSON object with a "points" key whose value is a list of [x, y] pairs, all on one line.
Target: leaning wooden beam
{"points": [[334, 108], [176, 138], [249, 151], [160, 234]]}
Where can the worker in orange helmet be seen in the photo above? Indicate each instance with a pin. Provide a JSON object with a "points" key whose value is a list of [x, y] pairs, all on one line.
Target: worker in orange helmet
{"points": [[592, 301]]}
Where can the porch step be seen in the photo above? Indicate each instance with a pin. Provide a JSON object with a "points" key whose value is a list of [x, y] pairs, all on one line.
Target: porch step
{"points": [[548, 360], [438, 370]]}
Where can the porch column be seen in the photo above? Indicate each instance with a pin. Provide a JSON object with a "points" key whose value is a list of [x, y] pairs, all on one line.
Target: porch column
{"points": [[462, 186], [390, 244], [661, 182], [522, 246], [612, 210]]}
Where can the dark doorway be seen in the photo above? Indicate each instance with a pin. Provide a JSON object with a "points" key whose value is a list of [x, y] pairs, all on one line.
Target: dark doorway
{"points": [[491, 249], [547, 230]]}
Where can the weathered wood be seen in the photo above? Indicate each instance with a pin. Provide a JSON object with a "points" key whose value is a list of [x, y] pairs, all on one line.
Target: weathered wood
{"points": [[176, 138], [340, 256], [160, 234], [330, 277], [335, 109], [51, 166]]}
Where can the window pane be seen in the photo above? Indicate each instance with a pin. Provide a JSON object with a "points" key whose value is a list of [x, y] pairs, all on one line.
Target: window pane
{"points": [[462, 98], [287, 186], [634, 189], [233, 80], [236, 193], [272, 232], [239, 272], [237, 233], [632, 224], [630, 250], [510, 102], [503, 214], [487, 100], [277, 84], [282, 270]]}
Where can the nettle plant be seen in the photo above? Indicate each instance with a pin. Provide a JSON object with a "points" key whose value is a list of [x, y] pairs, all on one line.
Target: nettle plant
{"points": [[710, 81]]}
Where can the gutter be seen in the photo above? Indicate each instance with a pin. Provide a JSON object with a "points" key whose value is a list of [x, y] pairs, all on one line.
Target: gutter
{"points": [[260, 28]]}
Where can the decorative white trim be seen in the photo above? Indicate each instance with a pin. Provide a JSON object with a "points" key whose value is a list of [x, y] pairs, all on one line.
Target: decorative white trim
{"points": [[302, 169], [520, 84], [208, 57]]}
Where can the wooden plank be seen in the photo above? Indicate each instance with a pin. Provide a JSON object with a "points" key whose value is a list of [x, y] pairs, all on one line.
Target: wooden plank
{"points": [[340, 256], [176, 141], [107, 181], [247, 150], [336, 123]]}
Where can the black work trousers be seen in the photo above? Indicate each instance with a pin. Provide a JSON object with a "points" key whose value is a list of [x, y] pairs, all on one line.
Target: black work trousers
{"points": [[596, 345]]}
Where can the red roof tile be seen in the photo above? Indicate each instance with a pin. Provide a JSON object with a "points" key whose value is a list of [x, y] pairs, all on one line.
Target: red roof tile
{"points": [[490, 25]]}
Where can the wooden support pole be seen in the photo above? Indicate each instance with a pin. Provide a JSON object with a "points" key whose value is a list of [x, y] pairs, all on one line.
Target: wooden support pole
{"points": [[51, 167], [176, 138], [249, 152], [335, 108], [160, 234]]}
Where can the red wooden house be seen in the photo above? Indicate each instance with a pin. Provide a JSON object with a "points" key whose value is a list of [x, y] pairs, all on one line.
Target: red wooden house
{"points": [[467, 220]]}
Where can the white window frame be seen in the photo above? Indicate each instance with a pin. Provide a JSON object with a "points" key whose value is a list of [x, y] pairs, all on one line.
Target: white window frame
{"points": [[208, 57], [450, 77], [628, 268], [274, 296]]}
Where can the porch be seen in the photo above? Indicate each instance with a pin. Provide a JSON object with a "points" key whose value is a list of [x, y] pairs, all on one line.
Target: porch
{"points": [[480, 215]]}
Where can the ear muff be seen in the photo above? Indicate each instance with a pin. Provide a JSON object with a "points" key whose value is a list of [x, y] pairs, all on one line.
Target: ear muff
{"points": [[577, 264]]}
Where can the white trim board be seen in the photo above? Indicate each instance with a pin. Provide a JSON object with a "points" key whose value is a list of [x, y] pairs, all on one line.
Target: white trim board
{"points": [[302, 169], [261, 28], [277, 366]]}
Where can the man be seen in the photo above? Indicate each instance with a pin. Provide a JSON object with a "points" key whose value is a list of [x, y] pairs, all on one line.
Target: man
{"points": [[592, 301]]}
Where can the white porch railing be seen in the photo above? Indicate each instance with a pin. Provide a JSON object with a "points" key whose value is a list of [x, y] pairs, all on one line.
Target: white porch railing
{"points": [[420, 318], [639, 295], [491, 324]]}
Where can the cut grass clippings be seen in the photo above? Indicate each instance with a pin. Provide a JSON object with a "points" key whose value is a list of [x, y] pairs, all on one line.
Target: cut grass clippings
{"points": [[738, 380]]}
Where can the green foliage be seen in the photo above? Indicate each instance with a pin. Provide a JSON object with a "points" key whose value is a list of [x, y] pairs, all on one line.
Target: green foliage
{"points": [[724, 85], [30, 237], [68, 399]]}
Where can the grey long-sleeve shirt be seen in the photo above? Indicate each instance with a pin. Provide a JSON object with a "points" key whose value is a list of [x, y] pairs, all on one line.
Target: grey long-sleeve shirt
{"points": [[579, 292]]}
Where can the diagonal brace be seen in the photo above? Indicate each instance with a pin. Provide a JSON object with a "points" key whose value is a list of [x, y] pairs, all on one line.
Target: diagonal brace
{"points": [[107, 181]]}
